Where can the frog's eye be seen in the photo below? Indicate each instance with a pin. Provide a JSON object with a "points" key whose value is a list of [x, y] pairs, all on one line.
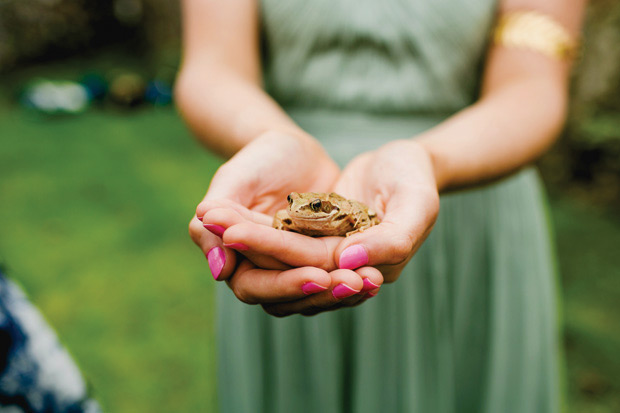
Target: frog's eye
{"points": [[327, 207], [315, 205], [289, 199]]}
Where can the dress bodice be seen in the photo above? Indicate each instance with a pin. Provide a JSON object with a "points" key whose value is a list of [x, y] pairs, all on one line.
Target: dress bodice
{"points": [[389, 56]]}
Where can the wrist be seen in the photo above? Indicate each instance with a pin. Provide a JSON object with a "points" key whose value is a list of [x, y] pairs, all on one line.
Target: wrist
{"points": [[414, 153], [298, 142], [289, 136], [438, 165]]}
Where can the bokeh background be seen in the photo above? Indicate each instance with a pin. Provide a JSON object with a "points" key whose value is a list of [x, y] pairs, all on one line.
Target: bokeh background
{"points": [[97, 184]]}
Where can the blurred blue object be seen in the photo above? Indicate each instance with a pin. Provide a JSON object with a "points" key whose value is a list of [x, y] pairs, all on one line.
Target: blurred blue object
{"points": [[96, 85], [158, 93]]}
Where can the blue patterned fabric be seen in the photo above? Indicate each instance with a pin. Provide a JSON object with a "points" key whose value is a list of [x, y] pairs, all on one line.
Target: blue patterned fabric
{"points": [[36, 373]]}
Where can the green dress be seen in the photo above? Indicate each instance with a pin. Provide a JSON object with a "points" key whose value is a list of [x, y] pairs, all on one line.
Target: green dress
{"points": [[471, 324]]}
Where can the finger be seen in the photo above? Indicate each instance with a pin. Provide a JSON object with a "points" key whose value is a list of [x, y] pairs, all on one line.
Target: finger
{"points": [[219, 219], [290, 248], [371, 277], [409, 217], [353, 301], [196, 229], [221, 260], [231, 181], [371, 294], [372, 281], [247, 214], [255, 285], [344, 284]]}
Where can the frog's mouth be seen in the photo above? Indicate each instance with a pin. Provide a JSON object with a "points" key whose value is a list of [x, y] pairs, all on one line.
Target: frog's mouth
{"points": [[311, 218], [320, 216]]}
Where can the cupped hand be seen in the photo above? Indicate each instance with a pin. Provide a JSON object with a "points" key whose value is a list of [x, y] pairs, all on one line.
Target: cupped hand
{"points": [[398, 180], [301, 276], [257, 180], [266, 170]]}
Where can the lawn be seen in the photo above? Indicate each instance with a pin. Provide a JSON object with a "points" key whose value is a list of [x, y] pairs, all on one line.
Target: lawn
{"points": [[94, 211]]}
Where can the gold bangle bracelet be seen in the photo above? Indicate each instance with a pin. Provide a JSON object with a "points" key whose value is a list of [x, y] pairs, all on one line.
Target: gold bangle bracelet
{"points": [[537, 32]]}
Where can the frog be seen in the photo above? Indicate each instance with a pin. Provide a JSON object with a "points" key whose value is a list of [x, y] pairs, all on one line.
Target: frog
{"points": [[318, 214]]}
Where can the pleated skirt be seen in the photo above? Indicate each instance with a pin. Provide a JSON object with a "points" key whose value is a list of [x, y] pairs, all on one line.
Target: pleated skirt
{"points": [[470, 325]]}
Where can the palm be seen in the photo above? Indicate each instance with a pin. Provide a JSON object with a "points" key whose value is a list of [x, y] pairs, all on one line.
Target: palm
{"points": [[397, 181], [359, 181], [264, 172]]}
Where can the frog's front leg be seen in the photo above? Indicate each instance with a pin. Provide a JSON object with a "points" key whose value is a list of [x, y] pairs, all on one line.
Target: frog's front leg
{"points": [[359, 222], [361, 228], [363, 221], [372, 216], [282, 221]]}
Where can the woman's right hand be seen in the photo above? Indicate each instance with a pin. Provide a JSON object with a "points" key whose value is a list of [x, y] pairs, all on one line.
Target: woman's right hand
{"points": [[267, 169], [252, 186]]}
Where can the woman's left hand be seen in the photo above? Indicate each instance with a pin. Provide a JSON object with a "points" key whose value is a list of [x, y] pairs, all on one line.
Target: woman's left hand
{"points": [[398, 180]]}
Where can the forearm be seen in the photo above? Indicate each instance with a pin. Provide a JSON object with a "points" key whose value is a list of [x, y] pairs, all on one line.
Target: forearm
{"points": [[501, 133], [522, 106], [226, 110]]}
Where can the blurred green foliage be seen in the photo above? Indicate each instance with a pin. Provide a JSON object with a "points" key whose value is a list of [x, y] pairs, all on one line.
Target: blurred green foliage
{"points": [[44, 30], [585, 163]]}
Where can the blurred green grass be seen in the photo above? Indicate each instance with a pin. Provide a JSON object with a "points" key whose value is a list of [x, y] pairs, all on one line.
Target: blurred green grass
{"points": [[93, 218]]}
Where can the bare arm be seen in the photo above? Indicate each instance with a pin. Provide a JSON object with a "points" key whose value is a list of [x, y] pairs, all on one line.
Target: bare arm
{"points": [[519, 115], [219, 87]]}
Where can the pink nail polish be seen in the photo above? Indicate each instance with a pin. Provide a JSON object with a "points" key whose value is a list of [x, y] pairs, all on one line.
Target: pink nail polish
{"points": [[216, 259], [369, 285], [215, 229], [199, 218], [353, 257], [311, 288], [343, 291], [370, 295], [237, 246]]}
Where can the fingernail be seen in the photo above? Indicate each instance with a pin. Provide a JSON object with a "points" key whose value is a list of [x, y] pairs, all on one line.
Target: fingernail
{"points": [[353, 257], [311, 288], [199, 218], [371, 294], [237, 246], [369, 285], [216, 259], [216, 229], [343, 291]]}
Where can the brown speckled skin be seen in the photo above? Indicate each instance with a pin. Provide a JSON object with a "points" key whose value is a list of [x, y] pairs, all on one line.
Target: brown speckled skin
{"points": [[337, 215]]}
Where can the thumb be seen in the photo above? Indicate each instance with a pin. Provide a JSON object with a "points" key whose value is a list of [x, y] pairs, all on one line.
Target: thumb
{"points": [[409, 217], [231, 182], [228, 188]]}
